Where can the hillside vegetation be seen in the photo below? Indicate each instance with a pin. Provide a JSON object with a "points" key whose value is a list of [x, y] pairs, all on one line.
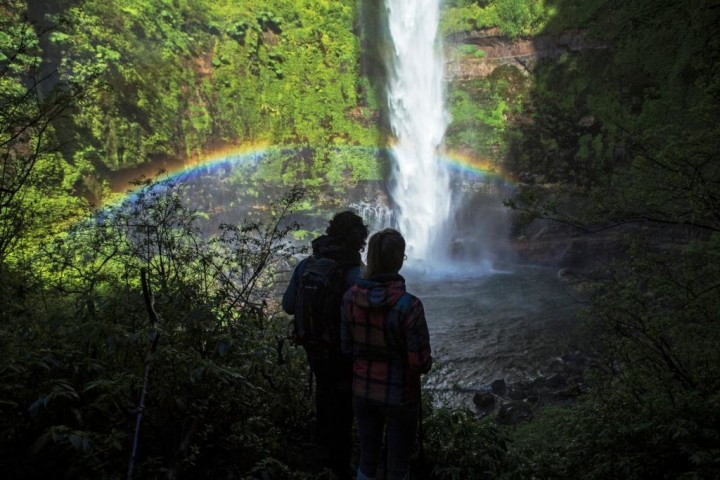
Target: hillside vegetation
{"points": [[133, 342]]}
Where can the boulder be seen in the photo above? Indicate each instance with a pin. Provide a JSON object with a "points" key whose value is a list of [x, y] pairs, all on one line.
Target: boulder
{"points": [[499, 387], [484, 400], [556, 381]]}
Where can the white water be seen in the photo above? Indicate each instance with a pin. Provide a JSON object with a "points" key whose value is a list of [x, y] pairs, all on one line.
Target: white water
{"points": [[376, 215], [416, 93]]}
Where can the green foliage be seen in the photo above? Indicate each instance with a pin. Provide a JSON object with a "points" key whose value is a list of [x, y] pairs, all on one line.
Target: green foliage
{"points": [[459, 446], [483, 110], [323, 172], [353, 165], [521, 17], [468, 17], [623, 133], [224, 391], [514, 18], [665, 314], [608, 436], [461, 18], [623, 138], [183, 78], [467, 49], [653, 412], [36, 182]]}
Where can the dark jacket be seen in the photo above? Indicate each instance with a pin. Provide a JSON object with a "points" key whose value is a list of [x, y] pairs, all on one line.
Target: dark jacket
{"points": [[384, 329], [324, 246]]}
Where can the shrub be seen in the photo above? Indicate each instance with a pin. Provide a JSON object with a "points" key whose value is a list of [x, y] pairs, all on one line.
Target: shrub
{"points": [[458, 445]]}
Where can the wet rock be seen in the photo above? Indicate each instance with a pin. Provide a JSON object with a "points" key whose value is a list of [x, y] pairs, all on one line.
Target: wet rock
{"points": [[499, 387], [457, 249], [517, 392], [512, 413], [522, 390], [539, 382], [568, 276], [572, 365], [484, 400], [561, 383], [556, 381]]}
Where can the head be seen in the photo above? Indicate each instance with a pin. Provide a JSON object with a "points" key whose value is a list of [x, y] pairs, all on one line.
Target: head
{"points": [[350, 229], [386, 252]]}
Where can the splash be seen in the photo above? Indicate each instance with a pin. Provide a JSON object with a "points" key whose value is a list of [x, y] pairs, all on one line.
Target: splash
{"points": [[416, 92]]}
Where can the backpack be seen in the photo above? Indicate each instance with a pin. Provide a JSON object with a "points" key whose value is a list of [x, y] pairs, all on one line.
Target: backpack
{"points": [[317, 305]]}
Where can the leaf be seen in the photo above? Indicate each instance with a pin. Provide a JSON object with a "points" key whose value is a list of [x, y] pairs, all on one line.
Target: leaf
{"points": [[35, 407]]}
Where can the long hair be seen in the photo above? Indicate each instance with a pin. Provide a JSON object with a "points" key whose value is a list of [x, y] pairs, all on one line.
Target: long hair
{"points": [[349, 229], [386, 252]]}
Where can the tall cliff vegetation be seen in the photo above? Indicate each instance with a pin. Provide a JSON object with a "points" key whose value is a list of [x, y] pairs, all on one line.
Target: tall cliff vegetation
{"points": [[622, 141], [185, 78]]}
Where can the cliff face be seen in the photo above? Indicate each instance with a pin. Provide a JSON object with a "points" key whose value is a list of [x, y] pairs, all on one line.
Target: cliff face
{"points": [[501, 50], [475, 56]]}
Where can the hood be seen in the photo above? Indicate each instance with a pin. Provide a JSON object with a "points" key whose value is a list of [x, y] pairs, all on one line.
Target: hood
{"points": [[331, 247], [378, 293]]}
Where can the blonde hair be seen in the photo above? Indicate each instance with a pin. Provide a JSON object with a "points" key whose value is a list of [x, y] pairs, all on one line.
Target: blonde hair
{"points": [[386, 252]]}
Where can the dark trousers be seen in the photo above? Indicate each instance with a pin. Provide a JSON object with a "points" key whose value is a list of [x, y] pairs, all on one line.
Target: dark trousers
{"points": [[334, 412], [400, 425]]}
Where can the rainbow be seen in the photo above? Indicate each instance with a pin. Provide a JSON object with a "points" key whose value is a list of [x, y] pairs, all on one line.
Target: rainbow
{"points": [[235, 155], [479, 168], [228, 156]]}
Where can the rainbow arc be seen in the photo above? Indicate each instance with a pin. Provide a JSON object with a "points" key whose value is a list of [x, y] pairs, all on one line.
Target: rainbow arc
{"points": [[231, 157]]}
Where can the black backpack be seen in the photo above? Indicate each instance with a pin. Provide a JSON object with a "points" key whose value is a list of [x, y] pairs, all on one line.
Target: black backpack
{"points": [[318, 303]]}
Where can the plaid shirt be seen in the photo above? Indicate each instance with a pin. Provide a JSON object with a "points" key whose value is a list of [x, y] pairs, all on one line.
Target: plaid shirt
{"points": [[384, 329]]}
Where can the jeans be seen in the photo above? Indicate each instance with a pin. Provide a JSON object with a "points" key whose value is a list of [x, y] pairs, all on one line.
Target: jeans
{"points": [[400, 424]]}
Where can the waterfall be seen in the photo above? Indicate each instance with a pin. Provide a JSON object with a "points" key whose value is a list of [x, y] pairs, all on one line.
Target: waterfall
{"points": [[376, 215], [416, 93]]}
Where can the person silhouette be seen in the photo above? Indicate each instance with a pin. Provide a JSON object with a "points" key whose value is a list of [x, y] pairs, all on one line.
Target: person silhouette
{"points": [[340, 248], [383, 329]]}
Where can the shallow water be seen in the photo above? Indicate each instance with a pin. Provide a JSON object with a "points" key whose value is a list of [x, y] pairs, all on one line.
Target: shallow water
{"points": [[509, 325]]}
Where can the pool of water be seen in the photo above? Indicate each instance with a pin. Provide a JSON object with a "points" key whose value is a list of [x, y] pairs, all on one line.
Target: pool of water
{"points": [[511, 323]]}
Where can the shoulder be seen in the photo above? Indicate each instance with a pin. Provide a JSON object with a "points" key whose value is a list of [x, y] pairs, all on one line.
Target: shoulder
{"points": [[409, 302], [301, 265], [354, 271], [300, 268]]}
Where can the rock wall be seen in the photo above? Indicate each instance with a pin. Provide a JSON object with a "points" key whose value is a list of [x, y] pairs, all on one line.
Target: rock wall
{"points": [[501, 50]]}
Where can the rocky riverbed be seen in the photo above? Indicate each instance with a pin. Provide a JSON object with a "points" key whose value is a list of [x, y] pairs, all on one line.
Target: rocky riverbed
{"points": [[507, 342]]}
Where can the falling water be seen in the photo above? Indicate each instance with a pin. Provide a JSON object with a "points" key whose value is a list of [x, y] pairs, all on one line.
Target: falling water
{"points": [[376, 215], [416, 92]]}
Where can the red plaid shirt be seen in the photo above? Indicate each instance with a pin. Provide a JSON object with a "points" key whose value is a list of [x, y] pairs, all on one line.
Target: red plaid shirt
{"points": [[384, 329]]}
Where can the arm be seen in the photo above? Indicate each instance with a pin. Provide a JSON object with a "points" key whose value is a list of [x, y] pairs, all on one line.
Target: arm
{"points": [[417, 338]]}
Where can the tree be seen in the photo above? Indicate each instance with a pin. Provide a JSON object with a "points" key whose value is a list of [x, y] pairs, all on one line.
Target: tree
{"points": [[31, 102]]}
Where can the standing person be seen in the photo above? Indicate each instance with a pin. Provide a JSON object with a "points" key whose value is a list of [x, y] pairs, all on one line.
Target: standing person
{"points": [[314, 296], [384, 330]]}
